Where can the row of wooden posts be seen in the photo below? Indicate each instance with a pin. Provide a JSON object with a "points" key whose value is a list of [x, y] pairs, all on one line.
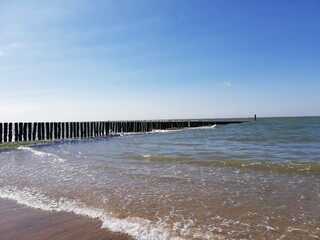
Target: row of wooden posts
{"points": [[27, 131]]}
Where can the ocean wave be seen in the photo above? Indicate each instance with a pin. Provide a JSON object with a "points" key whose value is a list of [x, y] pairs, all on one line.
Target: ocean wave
{"points": [[139, 228], [286, 167], [281, 167], [160, 158], [41, 154], [204, 127]]}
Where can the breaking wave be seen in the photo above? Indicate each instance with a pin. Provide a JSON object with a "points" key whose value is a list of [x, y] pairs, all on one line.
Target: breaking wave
{"points": [[141, 229], [41, 154]]}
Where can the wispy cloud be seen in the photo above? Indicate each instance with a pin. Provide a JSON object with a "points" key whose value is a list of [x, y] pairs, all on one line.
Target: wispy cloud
{"points": [[18, 108], [225, 85]]}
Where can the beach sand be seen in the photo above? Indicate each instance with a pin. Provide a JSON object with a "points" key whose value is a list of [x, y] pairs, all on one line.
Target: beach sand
{"points": [[21, 222]]}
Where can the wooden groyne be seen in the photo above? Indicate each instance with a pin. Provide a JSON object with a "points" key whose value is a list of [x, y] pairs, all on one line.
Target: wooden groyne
{"points": [[28, 131]]}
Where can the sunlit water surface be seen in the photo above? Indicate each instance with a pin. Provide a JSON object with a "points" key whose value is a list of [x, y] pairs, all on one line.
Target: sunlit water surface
{"points": [[243, 181]]}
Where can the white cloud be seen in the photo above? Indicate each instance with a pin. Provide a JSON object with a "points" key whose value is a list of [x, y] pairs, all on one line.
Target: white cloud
{"points": [[17, 108], [225, 85]]}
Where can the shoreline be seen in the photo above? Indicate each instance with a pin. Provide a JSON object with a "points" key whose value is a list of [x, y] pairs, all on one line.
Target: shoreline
{"points": [[13, 145], [21, 222]]}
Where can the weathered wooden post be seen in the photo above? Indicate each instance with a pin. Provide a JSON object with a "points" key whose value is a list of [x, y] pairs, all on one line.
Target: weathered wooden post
{"points": [[0, 132], [70, 130], [63, 130], [34, 132], [25, 132], [77, 129], [108, 125], [20, 131], [51, 128], [86, 124], [48, 130], [81, 130], [43, 131], [55, 130], [39, 131], [96, 129], [76, 132], [67, 130], [90, 127], [119, 127], [101, 129], [16, 132], [59, 130], [5, 132], [29, 131], [10, 132]]}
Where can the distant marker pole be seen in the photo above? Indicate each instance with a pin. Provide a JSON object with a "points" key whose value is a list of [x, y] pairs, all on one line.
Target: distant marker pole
{"points": [[255, 117]]}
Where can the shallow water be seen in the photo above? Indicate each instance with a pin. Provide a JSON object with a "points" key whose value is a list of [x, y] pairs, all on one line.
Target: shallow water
{"points": [[245, 181]]}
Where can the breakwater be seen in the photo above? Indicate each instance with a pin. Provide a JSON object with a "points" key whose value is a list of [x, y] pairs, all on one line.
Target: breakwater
{"points": [[33, 131]]}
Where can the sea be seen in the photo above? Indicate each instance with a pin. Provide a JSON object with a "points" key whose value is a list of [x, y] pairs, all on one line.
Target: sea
{"points": [[254, 180]]}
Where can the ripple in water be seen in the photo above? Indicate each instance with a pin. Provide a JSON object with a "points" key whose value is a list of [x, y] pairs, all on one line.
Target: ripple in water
{"points": [[249, 181]]}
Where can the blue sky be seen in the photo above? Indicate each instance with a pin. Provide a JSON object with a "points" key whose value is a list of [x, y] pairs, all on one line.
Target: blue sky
{"points": [[68, 60]]}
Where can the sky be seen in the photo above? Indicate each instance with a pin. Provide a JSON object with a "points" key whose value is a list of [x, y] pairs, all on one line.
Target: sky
{"points": [[96, 60]]}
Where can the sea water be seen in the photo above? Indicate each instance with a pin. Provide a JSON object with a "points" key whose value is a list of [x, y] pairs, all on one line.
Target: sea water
{"points": [[255, 180]]}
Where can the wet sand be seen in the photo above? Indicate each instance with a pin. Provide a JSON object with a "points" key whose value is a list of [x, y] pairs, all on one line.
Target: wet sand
{"points": [[21, 222]]}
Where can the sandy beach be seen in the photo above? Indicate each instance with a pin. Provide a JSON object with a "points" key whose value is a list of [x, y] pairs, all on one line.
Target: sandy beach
{"points": [[21, 222]]}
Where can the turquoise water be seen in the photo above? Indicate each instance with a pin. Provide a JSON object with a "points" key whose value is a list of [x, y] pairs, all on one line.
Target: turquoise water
{"points": [[256, 180]]}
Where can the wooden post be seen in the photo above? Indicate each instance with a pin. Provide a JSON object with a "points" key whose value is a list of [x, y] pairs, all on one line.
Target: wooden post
{"points": [[95, 129], [55, 130], [5, 132], [81, 130], [102, 124], [91, 129], [85, 129], [10, 132], [16, 132], [42, 131], [98, 128], [25, 132], [20, 131], [107, 128], [0, 132], [67, 130], [39, 131], [78, 128], [29, 131], [101, 128], [74, 126], [48, 132], [62, 130], [34, 132], [59, 130], [71, 130]]}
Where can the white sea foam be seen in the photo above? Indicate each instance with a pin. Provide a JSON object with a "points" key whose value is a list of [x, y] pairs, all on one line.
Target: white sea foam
{"points": [[204, 127], [138, 228], [166, 131], [51, 156]]}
